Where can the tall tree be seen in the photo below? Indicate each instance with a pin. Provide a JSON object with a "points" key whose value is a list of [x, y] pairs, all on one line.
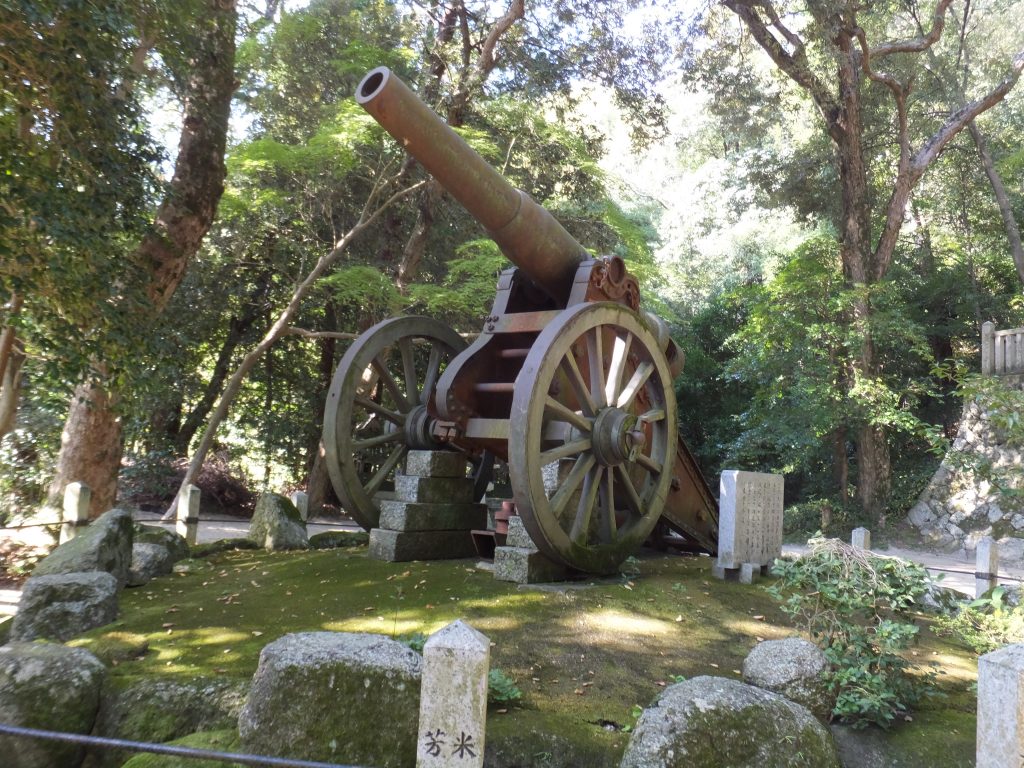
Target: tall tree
{"points": [[201, 59], [829, 52]]}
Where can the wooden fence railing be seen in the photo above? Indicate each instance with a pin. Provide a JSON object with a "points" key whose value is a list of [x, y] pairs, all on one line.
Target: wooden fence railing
{"points": [[1002, 352]]}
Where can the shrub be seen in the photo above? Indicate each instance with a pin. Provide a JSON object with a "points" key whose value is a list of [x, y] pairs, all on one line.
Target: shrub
{"points": [[856, 606], [984, 624]]}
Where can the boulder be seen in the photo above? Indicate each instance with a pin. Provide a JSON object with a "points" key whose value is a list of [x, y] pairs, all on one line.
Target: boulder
{"points": [[163, 709], [334, 697], [172, 541], [794, 668], [709, 722], [103, 545], [65, 605], [148, 562], [50, 687], [336, 539], [276, 524], [218, 741]]}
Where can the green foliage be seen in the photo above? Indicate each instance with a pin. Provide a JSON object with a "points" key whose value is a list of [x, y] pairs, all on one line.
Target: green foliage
{"points": [[464, 295], [857, 607], [984, 624], [501, 689], [416, 641]]}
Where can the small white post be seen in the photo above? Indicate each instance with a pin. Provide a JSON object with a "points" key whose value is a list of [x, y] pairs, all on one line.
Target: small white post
{"points": [[301, 502], [1000, 736], [986, 568], [861, 538], [188, 514], [453, 698], [76, 510]]}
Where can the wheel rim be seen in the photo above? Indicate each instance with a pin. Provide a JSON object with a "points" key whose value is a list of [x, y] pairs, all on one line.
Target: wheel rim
{"points": [[376, 407], [604, 434]]}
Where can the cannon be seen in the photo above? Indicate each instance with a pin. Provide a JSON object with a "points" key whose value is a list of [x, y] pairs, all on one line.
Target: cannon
{"points": [[569, 381]]}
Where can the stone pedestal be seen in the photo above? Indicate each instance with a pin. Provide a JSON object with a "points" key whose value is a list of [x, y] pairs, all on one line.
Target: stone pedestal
{"points": [[521, 562], [861, 538], [1000, 736], [749, 524], [433, 512]]}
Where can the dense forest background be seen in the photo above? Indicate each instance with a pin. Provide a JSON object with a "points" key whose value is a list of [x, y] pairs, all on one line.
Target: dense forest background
{"points": [[195, 218]]}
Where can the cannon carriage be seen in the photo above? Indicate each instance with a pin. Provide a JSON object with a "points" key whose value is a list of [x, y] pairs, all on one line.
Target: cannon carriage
{"points": [[569, 381]]}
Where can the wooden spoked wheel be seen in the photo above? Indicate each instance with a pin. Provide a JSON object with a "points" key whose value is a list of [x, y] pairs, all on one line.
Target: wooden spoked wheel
{"points": [[592, 436], [376, 408]]}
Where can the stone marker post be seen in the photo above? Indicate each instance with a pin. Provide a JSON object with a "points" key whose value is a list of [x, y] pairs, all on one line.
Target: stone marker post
{"points": [[188, 514], [861, 538], [301, 501], [986, 568], [76, 510], [453, 698], [988, 333], [749, 524], [1000, 739]]}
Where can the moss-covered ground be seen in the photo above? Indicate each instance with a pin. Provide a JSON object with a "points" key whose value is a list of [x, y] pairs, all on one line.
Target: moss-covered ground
{"points": [[583, 654]]}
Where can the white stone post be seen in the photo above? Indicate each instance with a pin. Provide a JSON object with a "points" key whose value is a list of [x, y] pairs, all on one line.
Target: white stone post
{"points": [[188, 514], [1000, 737], [861, 538], [988, 366], [986, 567], [76, 510], [453, 698], [301, 502]]}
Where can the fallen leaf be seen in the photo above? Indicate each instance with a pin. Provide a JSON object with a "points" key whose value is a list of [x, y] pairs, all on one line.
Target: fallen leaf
{"points": [[579, 691], [713, 665], [501, 711], [256, 633], [167, 626], [660, 683], [759, 617], [679, 617]]}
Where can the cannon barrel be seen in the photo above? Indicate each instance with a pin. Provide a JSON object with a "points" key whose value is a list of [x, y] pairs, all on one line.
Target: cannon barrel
{"points": [[527, 234]]}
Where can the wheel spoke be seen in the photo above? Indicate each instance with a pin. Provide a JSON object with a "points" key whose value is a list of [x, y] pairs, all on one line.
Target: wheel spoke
{"points": [[390, 384], [565, 450], [636, 506], [385, 469], [372, 442], [565, 491], [649, 464], [579, 386], [433, 371], [620, 353], [393, 416], [606, 528], [412, 394], [595, 361], [584, 510], [634, 385], [563, 413], [653, 415]]}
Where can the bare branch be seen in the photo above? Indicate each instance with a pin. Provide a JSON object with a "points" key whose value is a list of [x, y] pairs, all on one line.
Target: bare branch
{"points": [[919, 43], [486, 60]]}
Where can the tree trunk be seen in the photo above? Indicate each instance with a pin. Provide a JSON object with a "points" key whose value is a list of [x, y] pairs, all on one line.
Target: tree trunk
{"points": [[874, 473], [91, 442], [1002, 199]]}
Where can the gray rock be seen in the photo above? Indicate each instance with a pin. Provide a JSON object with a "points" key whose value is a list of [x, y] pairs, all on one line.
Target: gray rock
{"points": [[50, 687], [65, 605], [337, 539], [794, 668], [920, 514], [148, 562], [335, 697], [276, 524], [163, 709], [103, 545], [172, 541], [709, 722]]}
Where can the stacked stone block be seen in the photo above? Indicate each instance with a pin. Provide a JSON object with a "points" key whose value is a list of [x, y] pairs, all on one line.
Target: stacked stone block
{"points": [[521, 562], [433, 511]]}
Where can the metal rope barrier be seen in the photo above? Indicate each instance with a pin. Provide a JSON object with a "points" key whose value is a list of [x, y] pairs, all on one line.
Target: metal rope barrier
{"points": [[165, 749]]}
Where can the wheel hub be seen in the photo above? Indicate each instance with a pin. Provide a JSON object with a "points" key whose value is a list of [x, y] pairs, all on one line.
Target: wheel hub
{"points": [[616, 437], [419, 429]]}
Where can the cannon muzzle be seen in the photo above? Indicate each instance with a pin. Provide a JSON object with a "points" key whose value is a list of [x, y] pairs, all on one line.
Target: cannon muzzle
{"points": [[527, 234]]}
